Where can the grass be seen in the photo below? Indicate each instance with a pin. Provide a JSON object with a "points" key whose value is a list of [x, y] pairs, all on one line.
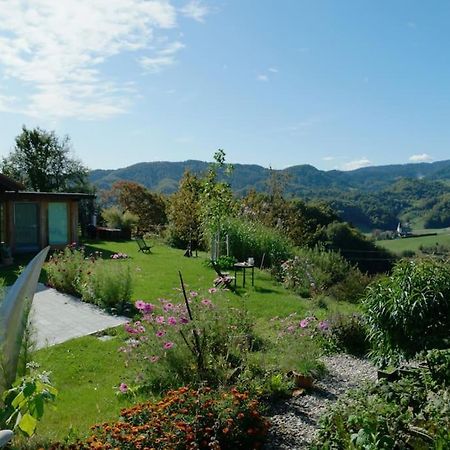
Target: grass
{"points": [[400, 245], [87, 371]]}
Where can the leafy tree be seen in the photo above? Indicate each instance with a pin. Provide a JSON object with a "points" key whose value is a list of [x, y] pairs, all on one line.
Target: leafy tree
{"points": [[184, 213], [42, 162], [216, 199], [149, 207]]}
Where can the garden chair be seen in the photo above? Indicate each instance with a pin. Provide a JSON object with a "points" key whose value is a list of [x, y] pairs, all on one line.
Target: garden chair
{"points": [[223, 279], [143, 246]]}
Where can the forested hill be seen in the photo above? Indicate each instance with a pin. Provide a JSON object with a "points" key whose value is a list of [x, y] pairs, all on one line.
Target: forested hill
{"points": [[300, 180], [371, 197]]}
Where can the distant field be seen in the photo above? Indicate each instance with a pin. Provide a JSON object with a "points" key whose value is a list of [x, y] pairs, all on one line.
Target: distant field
{"points": [[399, 245]]}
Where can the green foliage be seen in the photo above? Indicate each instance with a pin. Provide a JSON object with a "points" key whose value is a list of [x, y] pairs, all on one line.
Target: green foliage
{"points": [[105, 283], [184, 213], [252, 239], [316, 271], [224, 262], [348, 334], [410, 413], [108, 285], [41, 161], [409, 311], [216, 198], [115, 218], [301, 222], [23, 405], [439, 215], [438, 362], [356, 249]]}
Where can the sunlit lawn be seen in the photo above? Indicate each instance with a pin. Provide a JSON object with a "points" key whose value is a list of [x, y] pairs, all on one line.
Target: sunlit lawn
{"points": [[87, 371], [414, 243]]}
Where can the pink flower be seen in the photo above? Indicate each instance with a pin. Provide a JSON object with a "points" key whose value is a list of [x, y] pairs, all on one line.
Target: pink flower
{"points": [[212, 290], [159, 319], [168, 345], [154, 358], [148, 308], [168, 307], [171, 320], [291, 329], [123, 388], [193, 293], [139, 305], [304, 323], [184, 320], [206, 302], [324, 325], [160, 333]]}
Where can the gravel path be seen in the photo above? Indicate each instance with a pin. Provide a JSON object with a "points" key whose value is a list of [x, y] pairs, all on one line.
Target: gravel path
{"points": [[295, 421]]}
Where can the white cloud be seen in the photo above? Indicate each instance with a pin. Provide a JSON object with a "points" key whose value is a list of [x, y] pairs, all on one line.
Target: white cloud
{"points": [[357, 164], [423, 157], [328, 158], [163, 57], [196, 10], [273, 69], [56, 50], [262, 77]]}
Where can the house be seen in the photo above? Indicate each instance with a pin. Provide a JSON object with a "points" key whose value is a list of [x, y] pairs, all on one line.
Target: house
{"points": [[30, 221]]}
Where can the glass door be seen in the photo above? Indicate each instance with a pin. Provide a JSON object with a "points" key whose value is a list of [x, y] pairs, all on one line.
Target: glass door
{"points": [[26, 226]]}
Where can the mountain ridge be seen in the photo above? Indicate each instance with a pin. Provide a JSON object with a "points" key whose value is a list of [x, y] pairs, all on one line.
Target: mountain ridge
{"points": [[164, 176]]}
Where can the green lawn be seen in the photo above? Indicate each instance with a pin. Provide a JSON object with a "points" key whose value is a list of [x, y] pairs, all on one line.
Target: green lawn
{"points": [[400, 245], [87, 371]]}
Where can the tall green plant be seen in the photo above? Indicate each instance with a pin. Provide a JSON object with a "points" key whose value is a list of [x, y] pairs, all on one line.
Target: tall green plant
{"points": [[252, 239], [409, 311]]}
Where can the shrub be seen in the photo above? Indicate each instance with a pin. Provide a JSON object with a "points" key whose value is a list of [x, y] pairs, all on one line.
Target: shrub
{"points": [[252, 239], [407, 413], [115, 218], [303, 337], [184, 419], [108, 285], [64, 270], [207, 335], [348, 334], [409, 311], [105, 283], [315, 271]]}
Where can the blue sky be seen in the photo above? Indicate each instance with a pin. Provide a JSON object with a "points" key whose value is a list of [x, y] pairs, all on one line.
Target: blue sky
{"points": [[336, 84]]}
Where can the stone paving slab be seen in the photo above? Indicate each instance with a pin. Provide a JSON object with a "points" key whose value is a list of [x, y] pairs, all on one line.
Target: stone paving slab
{"points": [[57, 317]]}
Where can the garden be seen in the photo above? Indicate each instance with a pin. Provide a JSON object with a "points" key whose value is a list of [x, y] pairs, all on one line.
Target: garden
{"points": [[203, 364]]}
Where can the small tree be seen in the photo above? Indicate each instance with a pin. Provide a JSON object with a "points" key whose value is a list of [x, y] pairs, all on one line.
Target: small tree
{"points": [[149, 207], [216, 199], [184, 212], [41, 161]]}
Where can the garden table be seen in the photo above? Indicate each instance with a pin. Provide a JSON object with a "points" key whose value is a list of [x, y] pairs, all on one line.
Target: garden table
{"points": [[242, 266]]}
